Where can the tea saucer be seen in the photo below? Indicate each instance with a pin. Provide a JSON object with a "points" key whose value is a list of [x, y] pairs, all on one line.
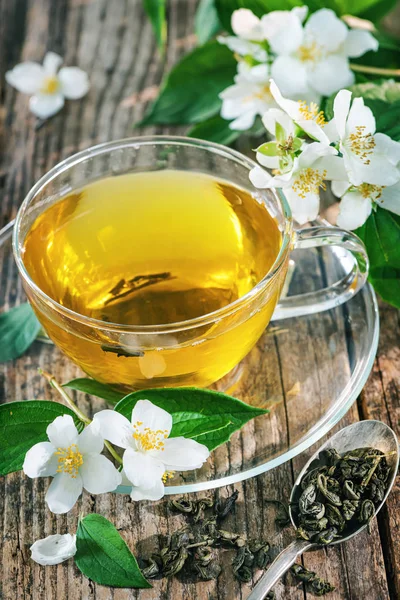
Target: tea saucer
{"points": [[307, 371]]}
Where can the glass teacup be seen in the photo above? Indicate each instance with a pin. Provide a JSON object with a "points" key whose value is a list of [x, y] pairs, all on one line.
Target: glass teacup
{"points": [[183, 352]]}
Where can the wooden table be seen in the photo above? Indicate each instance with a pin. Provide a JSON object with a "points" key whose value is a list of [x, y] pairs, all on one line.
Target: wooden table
{"points": [[113, 42]]}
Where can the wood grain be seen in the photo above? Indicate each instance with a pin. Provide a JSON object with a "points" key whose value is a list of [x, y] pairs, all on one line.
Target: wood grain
{"points": [[114, 43]]}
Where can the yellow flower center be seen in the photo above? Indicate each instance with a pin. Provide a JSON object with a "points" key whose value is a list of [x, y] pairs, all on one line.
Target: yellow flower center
{"points": [[69, 460], [264, 93], [367, 190], [167, 475], [362, 144], [50, 85], [309, 181], [149, 439], [309, 52], [311, 112]]}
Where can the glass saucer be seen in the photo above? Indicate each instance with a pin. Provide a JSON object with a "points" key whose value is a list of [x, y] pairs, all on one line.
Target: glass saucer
{"points": [[307, 371]]}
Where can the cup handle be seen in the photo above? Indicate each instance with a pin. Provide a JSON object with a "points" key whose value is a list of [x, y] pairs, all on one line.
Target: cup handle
{"points": [[340, 291]]}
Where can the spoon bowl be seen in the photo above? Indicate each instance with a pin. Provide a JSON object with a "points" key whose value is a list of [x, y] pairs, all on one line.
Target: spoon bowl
{"points": [[372, 434]]}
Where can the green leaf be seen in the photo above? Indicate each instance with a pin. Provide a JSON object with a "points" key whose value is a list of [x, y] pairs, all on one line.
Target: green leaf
{"points": [[381, 234], [206, 416], [386, 281], [206, 22], [156, 11], [103, 556], [95, 388], [280, 133], [268, 149], [189, 94], [376, 11], [23, 424], [216, 129], [387, 117], [18, 329]]}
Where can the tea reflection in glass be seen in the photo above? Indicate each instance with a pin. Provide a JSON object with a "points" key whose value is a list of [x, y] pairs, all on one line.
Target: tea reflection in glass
{"points": [[154, 249]]}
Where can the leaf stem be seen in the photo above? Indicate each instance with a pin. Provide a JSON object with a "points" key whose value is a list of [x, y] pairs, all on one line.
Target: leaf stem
{"points": [[375, 70], [54, 383], [113, 452]]}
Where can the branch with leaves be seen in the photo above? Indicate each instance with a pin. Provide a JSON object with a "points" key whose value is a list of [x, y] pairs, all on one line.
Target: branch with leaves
{"points": [[172, 429], [223, 90]]}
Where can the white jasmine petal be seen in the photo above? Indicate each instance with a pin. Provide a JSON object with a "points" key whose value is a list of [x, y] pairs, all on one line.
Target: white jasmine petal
{"points": [[305, 208], [260, 178], [46, 105], [306, 116], [51, 63], [270, 162], [63, 492], [326, 29], [248, 97], [256, 74], [341, 108], [388, 147], [358, 42], [331, 74], [368, 157], [244, 47], [314, 151], [283, 30], [301, 12], [276, 115], [26, 77], [360, 116], [378, 171], [152, 416], [182, 454], [333, 166], [331, 131], [54, 549], [290, 75], [91, 440], [354, 210], [62, 432], [339, 188], [246, 25], [74, 82], [99, 474], [114, 427], [40, 460], [243, 122], [154, 493], [142, 469], [390, 198]]}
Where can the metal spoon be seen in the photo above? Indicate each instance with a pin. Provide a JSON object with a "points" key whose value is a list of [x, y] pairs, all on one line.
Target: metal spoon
{"points": [[374, 434]]}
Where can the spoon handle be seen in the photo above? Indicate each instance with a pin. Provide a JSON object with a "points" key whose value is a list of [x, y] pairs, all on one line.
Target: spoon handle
{"points": [[281, 564]]}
